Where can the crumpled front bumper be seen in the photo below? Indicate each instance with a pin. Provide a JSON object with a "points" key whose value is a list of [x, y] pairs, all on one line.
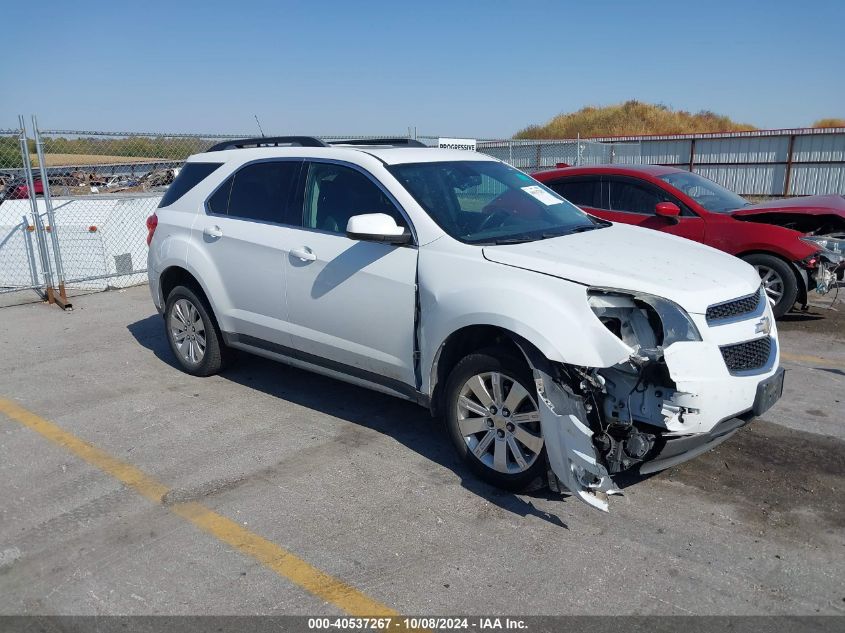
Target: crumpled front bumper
{"points": [[678, 449], [715, 401]]}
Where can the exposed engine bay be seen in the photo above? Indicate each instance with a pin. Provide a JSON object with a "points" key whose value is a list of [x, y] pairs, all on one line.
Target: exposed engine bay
{"points": [[636, 401], [631, 406], [811, 224]]}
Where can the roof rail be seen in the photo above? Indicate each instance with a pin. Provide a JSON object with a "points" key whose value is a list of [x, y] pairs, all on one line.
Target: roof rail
{"points": [[382, 142], [268, 141]]}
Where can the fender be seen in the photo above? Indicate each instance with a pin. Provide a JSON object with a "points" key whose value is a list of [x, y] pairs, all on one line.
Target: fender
{"points": [[552, 314], [747, 237], [773, 249], [175, 251], [569, 440], [200, 265]]}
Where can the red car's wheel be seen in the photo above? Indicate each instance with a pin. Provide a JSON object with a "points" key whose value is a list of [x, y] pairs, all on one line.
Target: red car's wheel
{"points": [[778, 279]]}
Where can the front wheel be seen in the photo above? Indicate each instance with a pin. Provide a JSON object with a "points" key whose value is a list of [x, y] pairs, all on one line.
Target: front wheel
{"points": [[493, 420], [778, 280]]}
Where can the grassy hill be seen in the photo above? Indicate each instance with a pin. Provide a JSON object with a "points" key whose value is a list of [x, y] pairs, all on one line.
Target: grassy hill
{"points": [[829, 123], [631, 118]]}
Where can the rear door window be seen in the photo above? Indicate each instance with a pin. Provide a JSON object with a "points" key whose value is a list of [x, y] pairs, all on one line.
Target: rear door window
{"points": [[260, 192], [218, 203], [585, 192]]}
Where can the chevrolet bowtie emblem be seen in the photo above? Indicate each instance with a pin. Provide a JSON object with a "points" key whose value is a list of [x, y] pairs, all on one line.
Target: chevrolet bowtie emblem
{"points": [[764, 326]]}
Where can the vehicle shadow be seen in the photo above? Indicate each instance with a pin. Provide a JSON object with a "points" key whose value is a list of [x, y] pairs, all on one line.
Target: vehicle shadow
{"points": [[407, 423], [800, 317], [630, 478], [830, 370], [338, 269]]}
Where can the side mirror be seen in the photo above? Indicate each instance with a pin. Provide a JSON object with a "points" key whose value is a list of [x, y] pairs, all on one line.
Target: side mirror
{"points": [[667, 210], [376, 227]]}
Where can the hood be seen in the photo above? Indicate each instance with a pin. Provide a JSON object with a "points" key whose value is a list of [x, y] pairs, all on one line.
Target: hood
{"points": [[642, 260], [810, 205]]}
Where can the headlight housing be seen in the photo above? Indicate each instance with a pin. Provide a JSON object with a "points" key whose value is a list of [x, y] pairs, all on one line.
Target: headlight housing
{"points": [[642, 321], [833, 247]]}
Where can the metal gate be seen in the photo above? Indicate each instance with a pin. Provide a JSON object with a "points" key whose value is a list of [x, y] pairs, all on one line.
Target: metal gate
{"points": [[30, 258]]}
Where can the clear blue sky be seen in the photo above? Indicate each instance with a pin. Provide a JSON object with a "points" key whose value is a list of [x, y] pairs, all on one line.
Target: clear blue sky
{"points": [[482, 69]]}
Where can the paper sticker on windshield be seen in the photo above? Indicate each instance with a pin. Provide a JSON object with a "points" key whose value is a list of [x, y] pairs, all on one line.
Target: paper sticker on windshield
{"points": [[542, 195]]}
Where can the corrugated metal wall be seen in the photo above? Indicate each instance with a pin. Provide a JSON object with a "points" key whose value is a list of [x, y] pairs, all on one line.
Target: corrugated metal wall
{"points": [[766, 163], [795, 162]]}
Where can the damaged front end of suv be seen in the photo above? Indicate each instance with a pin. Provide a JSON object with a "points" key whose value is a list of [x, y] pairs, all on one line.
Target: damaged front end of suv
{"points": [[673, 397]]}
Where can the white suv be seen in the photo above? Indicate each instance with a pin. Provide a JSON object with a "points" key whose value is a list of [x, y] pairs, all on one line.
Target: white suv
{"points": [[553, 343]]}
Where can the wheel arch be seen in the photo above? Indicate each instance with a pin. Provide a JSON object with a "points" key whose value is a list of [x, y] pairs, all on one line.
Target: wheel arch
{"points": [[472, 338], [177, 275]]}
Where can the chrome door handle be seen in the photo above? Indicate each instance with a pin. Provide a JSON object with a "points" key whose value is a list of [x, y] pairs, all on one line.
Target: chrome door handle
{"points": [[213, 231], [304, 253]]}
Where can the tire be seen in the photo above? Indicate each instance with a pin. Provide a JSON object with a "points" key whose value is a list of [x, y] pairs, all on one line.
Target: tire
{"points": [[488, 444], [200, 351], [779, 280]]}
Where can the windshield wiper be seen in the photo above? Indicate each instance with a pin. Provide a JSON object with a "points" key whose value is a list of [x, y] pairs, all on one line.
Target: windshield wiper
{"points": [[551, 234], [587, 227], [513, 240]]}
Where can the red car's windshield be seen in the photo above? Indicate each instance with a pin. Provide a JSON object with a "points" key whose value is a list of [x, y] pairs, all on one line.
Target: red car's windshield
{"points": [[708, 194]]}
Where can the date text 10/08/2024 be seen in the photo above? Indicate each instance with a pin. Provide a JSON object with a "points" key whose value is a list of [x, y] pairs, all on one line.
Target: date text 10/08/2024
{"points": [[416, 623]]}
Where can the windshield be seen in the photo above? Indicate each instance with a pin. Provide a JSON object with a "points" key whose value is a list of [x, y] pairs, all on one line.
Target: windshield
{"points": [[707, 193], [487, 202]]}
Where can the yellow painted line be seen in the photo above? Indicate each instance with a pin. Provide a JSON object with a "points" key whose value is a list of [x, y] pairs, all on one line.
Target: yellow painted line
{"points": [[813, 360], [269, 554]]}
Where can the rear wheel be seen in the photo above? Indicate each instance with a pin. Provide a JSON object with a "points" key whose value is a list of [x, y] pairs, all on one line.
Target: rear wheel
{"points": [[779, 281], [493, 419], [193, 334]]}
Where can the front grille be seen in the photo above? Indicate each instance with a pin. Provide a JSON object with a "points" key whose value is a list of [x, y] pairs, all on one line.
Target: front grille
{"points": [[729, 309], [747, 356]]}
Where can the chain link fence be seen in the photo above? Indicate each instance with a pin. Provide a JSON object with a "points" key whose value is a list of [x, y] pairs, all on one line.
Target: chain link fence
{"points": [[102, 187], [536, 155]]}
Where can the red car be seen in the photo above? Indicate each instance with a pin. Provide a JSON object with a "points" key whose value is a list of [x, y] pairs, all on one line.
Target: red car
{"points": [[796, 244], [19, 190]]}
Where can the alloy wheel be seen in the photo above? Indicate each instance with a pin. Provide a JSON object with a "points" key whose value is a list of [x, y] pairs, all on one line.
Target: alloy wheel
{"points": [[188, 331], [772, 282], [500, 422]]}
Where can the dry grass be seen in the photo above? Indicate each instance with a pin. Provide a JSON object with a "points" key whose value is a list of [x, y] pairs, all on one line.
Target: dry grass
{"points": [[70, 160], [832, 122], [632, 118]]}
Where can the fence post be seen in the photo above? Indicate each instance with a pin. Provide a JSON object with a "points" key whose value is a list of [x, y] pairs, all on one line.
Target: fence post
{"points": [[578, 150], [36, 216], [692, 154], [61, 300], [787, 179]]}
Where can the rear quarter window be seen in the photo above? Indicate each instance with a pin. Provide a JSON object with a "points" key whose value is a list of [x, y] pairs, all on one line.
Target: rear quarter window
{"points": [[584, 192], [189, 177]]}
